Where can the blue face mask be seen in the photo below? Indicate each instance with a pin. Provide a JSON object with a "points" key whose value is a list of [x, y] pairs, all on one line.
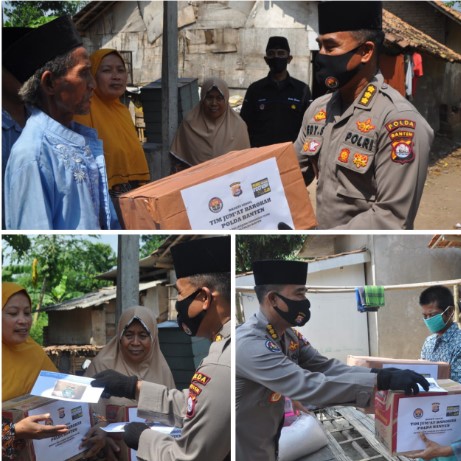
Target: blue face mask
{"points": [[436, 322]]}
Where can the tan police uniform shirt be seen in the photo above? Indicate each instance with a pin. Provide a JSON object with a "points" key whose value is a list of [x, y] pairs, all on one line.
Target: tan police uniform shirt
{"points": [[203, 411], [372, 158], [269, 368]]}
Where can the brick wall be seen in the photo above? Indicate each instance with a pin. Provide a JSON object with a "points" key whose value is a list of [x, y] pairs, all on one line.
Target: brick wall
{"points": [[420, 15]]}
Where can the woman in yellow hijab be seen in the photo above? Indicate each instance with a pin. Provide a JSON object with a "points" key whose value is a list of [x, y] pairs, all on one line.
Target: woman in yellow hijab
{"points": [[125, 159], [22, 360], [22, 357]]}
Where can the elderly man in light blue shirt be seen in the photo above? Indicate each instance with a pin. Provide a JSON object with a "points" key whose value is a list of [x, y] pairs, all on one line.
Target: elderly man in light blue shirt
{"points": [[56, 176]]}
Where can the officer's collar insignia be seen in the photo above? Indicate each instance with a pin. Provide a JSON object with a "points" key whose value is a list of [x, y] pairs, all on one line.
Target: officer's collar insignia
{"points": [[218, 338], [368, 95], [272, 333], [320, 115], [365, 126], [293, 346]]}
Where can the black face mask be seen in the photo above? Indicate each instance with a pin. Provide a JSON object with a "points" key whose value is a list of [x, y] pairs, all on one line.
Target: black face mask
{"points": [[331, 71], [189, 325], [277, 65], [298, 311]]}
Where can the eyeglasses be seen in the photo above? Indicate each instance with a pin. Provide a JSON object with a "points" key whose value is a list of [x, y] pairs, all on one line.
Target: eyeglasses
{"points": [[277, 53]]}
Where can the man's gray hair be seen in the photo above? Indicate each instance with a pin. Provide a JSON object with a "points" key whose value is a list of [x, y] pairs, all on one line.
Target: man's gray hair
{"points": [[30, 91], [262, 290], [219, 281], [366, 35]]}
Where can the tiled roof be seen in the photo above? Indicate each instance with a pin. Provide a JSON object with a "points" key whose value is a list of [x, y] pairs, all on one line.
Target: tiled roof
{"points": [[402, 34]]}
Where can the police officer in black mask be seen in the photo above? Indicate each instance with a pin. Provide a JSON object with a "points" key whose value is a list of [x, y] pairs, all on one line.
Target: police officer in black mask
{"points": [[274, 106], [274, 361], [203, 411]]}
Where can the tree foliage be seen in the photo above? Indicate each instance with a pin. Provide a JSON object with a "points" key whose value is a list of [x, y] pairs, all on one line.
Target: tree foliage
{"points": [[55, 268], [254, 247], [37, 13], [149, 243]]}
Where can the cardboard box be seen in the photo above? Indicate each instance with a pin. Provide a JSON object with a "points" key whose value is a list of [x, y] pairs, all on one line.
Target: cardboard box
{"points": [[120, 413], [239, 190], [64, 447], [399, 418], [437, 370]]}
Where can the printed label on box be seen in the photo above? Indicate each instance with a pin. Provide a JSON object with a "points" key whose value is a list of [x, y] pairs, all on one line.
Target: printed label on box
{"points": [[436, 416], [250, 198], [76, 416]]}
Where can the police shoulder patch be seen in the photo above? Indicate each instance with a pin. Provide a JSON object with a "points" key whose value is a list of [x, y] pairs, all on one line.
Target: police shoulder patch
{"points": [[272, 346], [191, 401], [194, 390], [402, 150], [201, 378]]}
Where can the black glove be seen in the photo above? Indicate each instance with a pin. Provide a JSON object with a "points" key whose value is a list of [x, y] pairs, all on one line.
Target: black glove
{"points": [[132, 433], [401, 380], [115, 384], [283, 226]]}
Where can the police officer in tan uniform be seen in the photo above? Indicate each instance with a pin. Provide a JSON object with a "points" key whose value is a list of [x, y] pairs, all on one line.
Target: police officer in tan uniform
{"points": [[368, 144], [203, 411], [274, 361]]}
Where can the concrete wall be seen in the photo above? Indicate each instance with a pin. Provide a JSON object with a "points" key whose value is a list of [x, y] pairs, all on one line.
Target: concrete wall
{"points": [[224, 39], [397, 329], [335, 328]]}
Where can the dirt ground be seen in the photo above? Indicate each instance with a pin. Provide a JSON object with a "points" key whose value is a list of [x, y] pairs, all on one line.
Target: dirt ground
{"points": [[440, 206]]}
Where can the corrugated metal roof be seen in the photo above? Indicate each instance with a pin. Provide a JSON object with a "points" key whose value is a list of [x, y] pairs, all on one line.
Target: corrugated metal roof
{"points": [[400, 33], [97, 298]]}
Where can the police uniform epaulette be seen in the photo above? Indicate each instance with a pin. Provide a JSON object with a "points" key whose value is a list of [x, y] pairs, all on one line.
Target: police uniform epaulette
{"points": [[272, 333], [368, 95]]}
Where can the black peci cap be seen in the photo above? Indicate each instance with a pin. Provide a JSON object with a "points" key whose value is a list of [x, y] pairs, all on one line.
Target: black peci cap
{"points": [[337, 16], [202, 256], [278, 43], [279, 272], [11, 35], [35, 49]]}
